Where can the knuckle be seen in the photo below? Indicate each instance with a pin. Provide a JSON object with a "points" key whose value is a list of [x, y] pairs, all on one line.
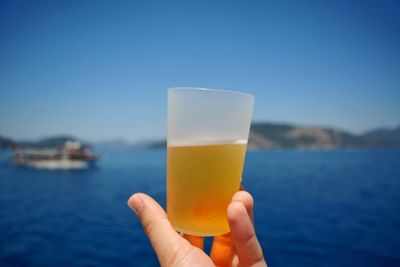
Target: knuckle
{"points": [[148, 227], [249, 240], [251, 244]]}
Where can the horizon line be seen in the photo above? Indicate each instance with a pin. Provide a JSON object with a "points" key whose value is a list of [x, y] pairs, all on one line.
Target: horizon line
{"points": [[159, 138]]}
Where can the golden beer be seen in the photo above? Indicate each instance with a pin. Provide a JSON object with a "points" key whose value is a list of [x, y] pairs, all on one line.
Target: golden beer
{"points": [[201, 180]]}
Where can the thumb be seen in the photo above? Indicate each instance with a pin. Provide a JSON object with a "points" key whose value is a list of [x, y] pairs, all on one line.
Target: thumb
{"points": [[164, 239]]}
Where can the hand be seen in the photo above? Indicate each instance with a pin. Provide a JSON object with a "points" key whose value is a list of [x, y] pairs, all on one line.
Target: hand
{"points": [[238, 248]]}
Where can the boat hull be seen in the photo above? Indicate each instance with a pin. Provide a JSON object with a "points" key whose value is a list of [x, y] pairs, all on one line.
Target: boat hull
{"points": [[57, 164]]}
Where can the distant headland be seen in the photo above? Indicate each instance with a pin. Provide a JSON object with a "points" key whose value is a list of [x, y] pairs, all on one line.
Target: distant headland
{"points": [[263, 135], [272, 135], [266, 135]]}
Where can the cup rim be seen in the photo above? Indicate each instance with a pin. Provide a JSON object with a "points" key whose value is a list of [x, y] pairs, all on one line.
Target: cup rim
{"points": [[183, 88]]}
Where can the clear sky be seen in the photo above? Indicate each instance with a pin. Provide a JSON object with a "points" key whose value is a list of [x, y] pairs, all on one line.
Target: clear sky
{"points": [[100, 70]]}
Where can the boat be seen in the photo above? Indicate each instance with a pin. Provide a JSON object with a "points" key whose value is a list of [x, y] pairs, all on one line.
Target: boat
{"points": [[73, 155]]}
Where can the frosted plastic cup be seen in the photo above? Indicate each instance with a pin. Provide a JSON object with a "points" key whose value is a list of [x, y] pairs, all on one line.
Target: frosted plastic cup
{"points": [[206, 147]]}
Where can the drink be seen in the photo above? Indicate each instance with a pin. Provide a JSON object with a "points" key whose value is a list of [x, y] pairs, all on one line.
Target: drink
{"points": [[201, 180], [206, 144]]}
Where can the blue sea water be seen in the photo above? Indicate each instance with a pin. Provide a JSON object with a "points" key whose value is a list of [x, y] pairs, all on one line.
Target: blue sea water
{"points": [[312, 208]]}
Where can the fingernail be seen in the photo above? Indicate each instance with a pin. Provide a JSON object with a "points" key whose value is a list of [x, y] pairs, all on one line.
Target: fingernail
{"points": [[135, 203]]}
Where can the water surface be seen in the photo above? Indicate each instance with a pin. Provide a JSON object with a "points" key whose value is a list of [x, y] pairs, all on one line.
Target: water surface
{"points": [[313, 208]]}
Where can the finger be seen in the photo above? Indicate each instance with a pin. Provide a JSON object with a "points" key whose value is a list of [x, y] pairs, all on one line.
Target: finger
{"points": [[248, 202], [164, 239], [196, 241], [243, 236], [222, 251]]}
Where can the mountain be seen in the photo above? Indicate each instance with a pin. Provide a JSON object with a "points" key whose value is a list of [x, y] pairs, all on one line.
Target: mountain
{"points": [[383, 137], [117, 144], [5, 143], [120, 144], [270, 135], [264, 135], [52, 141], [157, 144]]}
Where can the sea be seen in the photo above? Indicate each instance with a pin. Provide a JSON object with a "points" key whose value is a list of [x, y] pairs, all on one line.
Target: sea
{"points": [[312, 208]]}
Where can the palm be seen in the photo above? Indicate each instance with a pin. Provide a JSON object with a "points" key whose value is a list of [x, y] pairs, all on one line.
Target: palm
{"points": [[189, 255]]}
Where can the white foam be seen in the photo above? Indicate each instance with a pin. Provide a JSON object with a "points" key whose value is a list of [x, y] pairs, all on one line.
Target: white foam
{"points": [[203, 142]]}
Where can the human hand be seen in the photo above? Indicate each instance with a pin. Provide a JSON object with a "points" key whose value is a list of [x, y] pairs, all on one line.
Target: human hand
{"points": [[240, 247]]}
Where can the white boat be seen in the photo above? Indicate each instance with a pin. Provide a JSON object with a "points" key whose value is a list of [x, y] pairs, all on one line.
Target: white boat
{"points": [[71, 156]]}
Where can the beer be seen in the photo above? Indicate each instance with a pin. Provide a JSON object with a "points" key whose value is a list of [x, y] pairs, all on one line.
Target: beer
{"points": [[201, 180]]}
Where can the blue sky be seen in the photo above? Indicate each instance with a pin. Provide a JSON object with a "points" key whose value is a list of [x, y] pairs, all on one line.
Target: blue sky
{"points": [[100, 70]]}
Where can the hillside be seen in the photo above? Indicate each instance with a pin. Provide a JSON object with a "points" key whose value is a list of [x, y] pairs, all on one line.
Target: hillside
{"points": [[5, 143], [269, 135], [51, 141], [383, 137], [263, 135]]}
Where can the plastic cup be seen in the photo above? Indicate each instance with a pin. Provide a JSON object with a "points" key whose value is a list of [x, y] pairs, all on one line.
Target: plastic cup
{"points": [[206, 147]]}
